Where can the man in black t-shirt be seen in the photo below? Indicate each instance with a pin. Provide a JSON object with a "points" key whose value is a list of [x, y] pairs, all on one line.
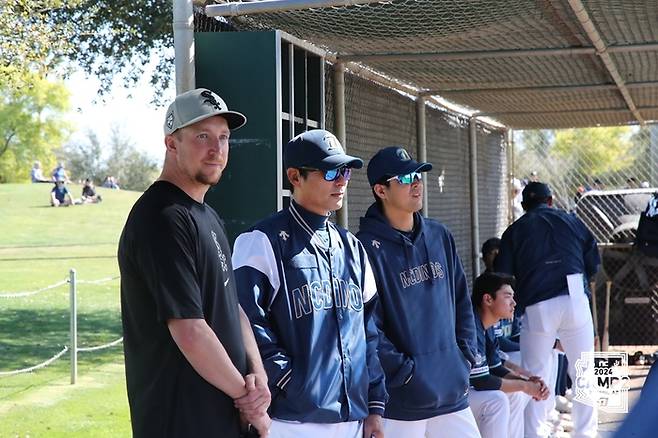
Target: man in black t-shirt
{"points": [[190, 354]]}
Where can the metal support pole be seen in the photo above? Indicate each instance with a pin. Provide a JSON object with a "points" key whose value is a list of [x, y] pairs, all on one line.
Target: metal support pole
{"points": [[339, 129], [510, 176], [475, 219], [605, 342], [592, 32], [235, 9], [421, 138], [183, 22], [653, 155], [73, 336]]}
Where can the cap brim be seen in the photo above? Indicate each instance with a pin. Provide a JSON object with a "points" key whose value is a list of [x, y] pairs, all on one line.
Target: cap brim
{"points": [[414, 166], [411, 166], [234, 119], [339, 160]]}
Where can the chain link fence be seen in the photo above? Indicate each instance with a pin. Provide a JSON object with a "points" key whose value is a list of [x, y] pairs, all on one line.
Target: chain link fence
{"points": [[377, 117], [605, 176]]}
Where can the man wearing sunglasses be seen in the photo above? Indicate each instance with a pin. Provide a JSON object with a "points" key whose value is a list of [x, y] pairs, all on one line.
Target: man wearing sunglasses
{"points": [[308, 290], [424, 315]]}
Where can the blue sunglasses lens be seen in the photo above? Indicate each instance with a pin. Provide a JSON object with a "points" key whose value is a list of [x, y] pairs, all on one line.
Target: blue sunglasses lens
{"points": [[332, 175], [409, 178]]}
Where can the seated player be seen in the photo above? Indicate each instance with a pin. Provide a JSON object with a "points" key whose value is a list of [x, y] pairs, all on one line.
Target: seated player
{"points": [[500, 389], [507, 330]]}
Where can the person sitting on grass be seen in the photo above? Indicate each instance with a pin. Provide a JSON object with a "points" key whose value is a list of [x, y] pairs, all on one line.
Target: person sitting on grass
{"points": [[89, 195], [59, 195], [36, 174], [59, 172]]}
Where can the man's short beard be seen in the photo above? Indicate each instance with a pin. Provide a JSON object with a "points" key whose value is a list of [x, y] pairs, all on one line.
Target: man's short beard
{"points": [[205, 179]]}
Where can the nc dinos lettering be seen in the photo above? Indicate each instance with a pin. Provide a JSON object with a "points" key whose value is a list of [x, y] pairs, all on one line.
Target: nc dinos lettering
{"points": [[318, 296]]}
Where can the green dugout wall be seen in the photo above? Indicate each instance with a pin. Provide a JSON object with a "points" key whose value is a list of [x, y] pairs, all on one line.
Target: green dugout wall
{"points": [[278, 83]]}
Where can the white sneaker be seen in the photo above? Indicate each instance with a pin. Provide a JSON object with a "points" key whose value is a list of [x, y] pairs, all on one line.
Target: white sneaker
{"points": [[567, 425], [554, 416], [563, 404], [569, 394]]}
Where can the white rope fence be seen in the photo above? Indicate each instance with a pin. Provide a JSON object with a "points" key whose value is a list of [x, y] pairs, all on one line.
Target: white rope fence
{"points": [[101, 347], [73, 332], [99, 281], [35, 367], [33, 292]]}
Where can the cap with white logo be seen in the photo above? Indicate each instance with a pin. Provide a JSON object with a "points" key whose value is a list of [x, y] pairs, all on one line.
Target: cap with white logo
{"points": [[196, 105], [318, 149]]}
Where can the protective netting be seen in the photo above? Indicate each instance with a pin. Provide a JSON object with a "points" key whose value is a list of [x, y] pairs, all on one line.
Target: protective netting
{"points": [[541, 90], [377, 117], [606, 177]]}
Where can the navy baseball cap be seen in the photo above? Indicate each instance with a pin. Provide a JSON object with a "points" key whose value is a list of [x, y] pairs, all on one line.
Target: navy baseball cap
{"points": [[393, 161], [318, 149], [536, 191]]}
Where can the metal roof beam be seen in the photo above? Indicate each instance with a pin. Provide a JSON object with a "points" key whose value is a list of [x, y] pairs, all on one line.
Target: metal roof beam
{"points": [[601, 50], [489, 54], [548, 113], [235, 9], [503, 90]]}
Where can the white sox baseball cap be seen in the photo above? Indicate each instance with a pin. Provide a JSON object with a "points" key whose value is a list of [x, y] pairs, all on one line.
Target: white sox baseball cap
{"points": [[196, 105]]}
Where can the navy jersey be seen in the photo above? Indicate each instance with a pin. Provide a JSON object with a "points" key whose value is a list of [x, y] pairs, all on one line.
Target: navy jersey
{"points": [[540, 249], [507, 332], [308, 290], [488, 364], [424, 314]]}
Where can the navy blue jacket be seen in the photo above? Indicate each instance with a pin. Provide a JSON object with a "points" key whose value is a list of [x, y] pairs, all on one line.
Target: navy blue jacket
{"points": [[507, 333], [308, 290], [424, 314], [540, 249], [488, 370]]}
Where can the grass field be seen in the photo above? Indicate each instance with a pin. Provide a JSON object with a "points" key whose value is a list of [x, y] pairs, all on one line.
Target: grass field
{"points": [[38, 246]]}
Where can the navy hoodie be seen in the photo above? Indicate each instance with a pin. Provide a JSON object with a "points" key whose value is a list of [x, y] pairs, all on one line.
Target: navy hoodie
{"points": [[424, 314]]}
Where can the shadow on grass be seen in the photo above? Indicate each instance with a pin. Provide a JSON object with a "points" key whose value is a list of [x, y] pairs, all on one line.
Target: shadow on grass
{"points": [[29, 337]]}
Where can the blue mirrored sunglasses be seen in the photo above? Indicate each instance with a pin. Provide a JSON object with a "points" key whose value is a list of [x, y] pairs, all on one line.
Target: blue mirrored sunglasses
{"points": [[333, 174], [408, 178]]}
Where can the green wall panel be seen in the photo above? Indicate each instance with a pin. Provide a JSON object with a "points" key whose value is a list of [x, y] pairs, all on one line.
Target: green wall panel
{"points": [[242, 68]]}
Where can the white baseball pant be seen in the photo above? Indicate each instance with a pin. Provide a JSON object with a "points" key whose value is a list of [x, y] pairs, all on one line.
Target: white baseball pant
{"points": [[291, 429], [569, 319], [460, 424], [498, 414]]}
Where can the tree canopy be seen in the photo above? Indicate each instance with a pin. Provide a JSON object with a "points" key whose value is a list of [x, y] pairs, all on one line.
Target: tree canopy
{"points": [[32, 125], [133, 169], [31, 41], [106, 38]]}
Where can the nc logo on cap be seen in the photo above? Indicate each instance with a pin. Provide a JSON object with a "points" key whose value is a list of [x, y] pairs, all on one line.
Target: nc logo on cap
{"points": [[403, 155], [332, 143]]}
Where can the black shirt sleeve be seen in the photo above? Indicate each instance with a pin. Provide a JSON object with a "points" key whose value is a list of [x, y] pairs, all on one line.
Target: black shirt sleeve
{"points": [[500, 371], [166, 254], [487, 383]]}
